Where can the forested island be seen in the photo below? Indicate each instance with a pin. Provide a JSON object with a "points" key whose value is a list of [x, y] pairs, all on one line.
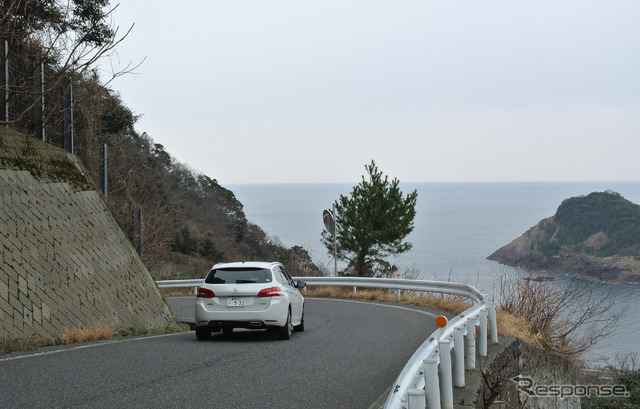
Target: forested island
{"points": [[596, 237]]}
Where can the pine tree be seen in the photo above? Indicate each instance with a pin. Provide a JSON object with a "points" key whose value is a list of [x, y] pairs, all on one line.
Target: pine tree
{"points": [[372, 223]]}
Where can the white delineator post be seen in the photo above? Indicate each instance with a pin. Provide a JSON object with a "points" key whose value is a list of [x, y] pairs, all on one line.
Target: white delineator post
{"points": [[458, 355], [431, 383], [482, 343], [470, 356], [416, 399], [446, 385], [493, 322]]}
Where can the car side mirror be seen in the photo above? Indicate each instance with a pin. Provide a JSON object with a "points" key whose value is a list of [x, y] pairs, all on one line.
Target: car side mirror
{"points": [[300, 284]]}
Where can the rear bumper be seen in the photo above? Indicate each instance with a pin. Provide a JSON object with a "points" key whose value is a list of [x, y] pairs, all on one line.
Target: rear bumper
{"points": [[273, 316], [218, 325]]}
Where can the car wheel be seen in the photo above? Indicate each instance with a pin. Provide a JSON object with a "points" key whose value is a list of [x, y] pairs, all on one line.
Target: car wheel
{"points": [[284, 333], [203, 332], [300, 328]]}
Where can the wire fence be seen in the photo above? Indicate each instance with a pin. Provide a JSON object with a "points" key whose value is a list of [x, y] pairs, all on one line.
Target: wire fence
{"points": [[37, 96]]}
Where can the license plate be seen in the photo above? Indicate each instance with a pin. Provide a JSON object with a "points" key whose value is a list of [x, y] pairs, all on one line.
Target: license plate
{"points": [[236, 302]]}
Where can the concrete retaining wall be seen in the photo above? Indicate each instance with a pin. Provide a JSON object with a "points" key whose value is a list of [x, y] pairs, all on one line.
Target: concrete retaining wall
{"points": [[516, 359], [64, 261]]}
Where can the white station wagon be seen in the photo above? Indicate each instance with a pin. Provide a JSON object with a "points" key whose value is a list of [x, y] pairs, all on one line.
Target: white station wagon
{"points": [[252, 295]]}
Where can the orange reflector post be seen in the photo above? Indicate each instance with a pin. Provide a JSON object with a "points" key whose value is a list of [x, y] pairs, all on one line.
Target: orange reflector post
{"points": [[441, 321]]}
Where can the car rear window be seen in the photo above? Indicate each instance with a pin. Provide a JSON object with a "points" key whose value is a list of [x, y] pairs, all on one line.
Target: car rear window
{"points": [[238, 276]]}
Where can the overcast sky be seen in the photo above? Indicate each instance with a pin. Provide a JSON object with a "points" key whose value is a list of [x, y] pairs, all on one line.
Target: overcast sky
{"points": [[257, 91]]}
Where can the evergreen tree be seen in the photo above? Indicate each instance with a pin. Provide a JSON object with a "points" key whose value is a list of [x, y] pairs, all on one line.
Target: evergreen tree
{"points": [[372, 223]]}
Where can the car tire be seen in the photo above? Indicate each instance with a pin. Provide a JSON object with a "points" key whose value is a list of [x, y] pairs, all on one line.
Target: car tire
{"points": [[284, 333], [300, 328], [203, 333]]}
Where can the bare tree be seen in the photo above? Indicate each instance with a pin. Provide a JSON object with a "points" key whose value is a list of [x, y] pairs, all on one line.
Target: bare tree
{"points": [[564, 319], [67, 38], [627, 361]]}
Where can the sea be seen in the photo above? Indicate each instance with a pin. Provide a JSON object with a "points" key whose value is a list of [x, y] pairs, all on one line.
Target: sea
{"points": [[457, 225]]}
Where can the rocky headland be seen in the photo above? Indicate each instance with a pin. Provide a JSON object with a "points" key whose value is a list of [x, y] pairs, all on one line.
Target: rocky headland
{"points": [[596, 237]]}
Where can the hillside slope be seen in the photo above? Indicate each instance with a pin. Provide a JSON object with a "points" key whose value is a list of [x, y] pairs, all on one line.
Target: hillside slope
{"points": [[595, 237], [184, 220]]}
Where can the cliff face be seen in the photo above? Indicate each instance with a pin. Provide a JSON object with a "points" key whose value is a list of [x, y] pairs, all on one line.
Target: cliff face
{"points": [[596, 237]]}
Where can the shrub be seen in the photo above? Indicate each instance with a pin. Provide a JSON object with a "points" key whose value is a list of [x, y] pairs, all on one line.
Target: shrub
{"points": [[564, 319], [631, 380]]}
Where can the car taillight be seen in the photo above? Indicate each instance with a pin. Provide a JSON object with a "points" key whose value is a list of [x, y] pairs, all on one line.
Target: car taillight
{"points": [[205, 293], [270, 292]]}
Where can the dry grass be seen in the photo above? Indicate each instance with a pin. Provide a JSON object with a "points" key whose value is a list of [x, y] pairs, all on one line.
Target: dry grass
{"points": [[446, 304], [12, 344], [76, 336], [508, 325], [516, 327]]}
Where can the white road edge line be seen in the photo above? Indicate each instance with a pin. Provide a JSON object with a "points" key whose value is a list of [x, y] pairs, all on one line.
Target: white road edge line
{"points": [[85, 346]]}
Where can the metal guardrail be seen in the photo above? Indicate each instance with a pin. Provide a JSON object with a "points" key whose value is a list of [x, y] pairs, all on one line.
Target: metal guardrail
{"points": [[180, 283], [420, 382], [365, 282], [399, 284]]}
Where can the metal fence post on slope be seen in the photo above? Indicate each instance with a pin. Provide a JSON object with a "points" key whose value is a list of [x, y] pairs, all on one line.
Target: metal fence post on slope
{"points": [[67, 86], [104, 180], [137, 231], [38, 99], [4, 78]]}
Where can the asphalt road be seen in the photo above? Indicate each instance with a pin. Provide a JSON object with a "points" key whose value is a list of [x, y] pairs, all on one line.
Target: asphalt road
{"points": [[348, 357]]}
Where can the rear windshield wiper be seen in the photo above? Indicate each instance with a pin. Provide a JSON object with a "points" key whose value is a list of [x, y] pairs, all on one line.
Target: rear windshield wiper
{"points": [[246, 281]]}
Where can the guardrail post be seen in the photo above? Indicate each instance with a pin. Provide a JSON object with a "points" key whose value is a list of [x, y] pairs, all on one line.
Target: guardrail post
{"points": [[431, 382], [446, 385], [482, 343], [493, 322], [470, 356], [458, 357], [416, 399]]}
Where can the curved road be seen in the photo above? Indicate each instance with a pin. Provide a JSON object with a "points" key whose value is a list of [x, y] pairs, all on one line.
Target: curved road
{"points": [[348, 357]]}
